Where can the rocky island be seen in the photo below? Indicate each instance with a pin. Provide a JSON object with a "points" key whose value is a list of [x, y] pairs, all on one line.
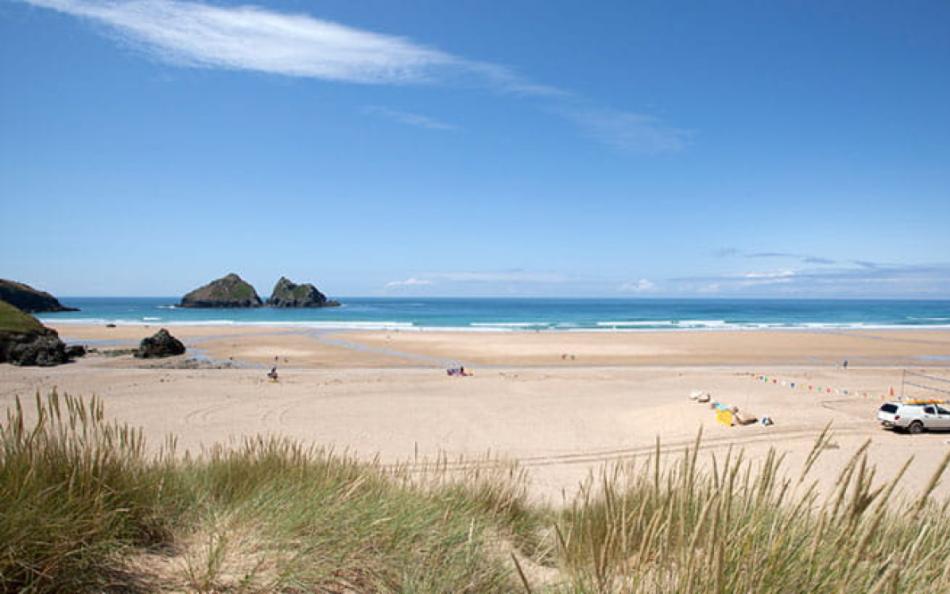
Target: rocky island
{"points": [[286, 293], [228, 291], [24, 341], [26, 298]]}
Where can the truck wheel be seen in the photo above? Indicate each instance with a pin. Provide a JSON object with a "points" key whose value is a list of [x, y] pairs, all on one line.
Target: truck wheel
{"points": [[915, 428]]}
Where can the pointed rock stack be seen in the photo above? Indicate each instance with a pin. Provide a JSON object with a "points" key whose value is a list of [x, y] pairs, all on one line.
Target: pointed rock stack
{"points": [[286, 293], [228, 291]]}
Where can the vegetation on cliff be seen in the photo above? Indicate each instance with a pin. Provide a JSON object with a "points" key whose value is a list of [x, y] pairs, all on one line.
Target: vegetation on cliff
{"points": [[28, 299]]}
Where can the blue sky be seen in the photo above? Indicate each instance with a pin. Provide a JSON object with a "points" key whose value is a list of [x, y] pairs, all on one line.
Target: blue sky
{"points": [[477, 148]]}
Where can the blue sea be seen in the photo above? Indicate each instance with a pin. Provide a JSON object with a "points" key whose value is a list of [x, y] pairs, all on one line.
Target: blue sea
{"points": [[608, 315]]}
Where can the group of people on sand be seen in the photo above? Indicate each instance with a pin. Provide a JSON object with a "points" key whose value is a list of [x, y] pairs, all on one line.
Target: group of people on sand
{"points": [[459, 371], [272, 374]]}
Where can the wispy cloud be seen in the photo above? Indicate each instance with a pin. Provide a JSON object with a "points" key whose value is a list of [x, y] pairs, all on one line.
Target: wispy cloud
{"points": [[409, 118], [257, 39], [503, 276], [850, 280], [409, 282], [770, 255], [769, 275], [195, 34], [726, 252], [629, 131], [804, 258], [881, 280], [468, 282], [639, 286]]}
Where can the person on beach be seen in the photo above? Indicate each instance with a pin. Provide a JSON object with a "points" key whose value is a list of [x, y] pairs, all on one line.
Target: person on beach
{"points": [[272, 374]]}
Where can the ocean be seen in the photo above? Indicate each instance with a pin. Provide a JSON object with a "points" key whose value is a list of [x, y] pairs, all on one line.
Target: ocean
{"points": [[501, 314]]}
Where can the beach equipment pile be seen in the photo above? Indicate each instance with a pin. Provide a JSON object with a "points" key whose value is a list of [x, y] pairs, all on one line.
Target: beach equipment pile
{"points": [[700, 396]]}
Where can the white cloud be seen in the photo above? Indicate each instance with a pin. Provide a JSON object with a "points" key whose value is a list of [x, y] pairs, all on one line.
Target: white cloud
{"points": [[865, 280], [504, 277], [641, 286], [195, 34], [258, 39], [629, 131], [509, 276], [409, 282], [777, 274], [409, 118]]}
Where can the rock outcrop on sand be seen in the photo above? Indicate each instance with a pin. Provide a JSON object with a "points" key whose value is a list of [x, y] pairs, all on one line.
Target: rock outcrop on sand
{"points": [[26, 298], [160, 344], [24, 341], [289, 294], [229, 291]]}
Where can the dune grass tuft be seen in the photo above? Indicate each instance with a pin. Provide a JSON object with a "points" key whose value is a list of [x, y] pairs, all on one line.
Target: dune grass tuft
{"points": [[728, 529], [86, 506]]}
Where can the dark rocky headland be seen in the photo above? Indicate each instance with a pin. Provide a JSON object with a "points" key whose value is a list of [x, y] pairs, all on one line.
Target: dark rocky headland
{"points": [[26, 298], [24, 341]]}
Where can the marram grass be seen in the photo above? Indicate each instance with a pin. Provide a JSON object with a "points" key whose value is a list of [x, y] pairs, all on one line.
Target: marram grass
{"points": [[731, 530], [85, 507]]}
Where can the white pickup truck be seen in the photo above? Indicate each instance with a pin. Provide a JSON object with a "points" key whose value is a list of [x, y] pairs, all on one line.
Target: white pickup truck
{"points": [[914, 417]]}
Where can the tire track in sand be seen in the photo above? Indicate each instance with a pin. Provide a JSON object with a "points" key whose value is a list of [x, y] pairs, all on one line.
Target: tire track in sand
{"points": [[595, 456], [199, 416]]}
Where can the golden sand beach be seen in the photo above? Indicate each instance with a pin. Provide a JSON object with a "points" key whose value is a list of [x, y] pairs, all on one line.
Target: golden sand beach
{"points": [[562, 404]]}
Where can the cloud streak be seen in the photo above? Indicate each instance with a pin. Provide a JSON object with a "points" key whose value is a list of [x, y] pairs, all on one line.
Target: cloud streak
{"points": [[879, 280], [250, 38], [256, 39], [804, 258], [629, 131], [503, 276], [482, 282], [844, 281], [409, 282], [409, 118], [637, 287]]}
